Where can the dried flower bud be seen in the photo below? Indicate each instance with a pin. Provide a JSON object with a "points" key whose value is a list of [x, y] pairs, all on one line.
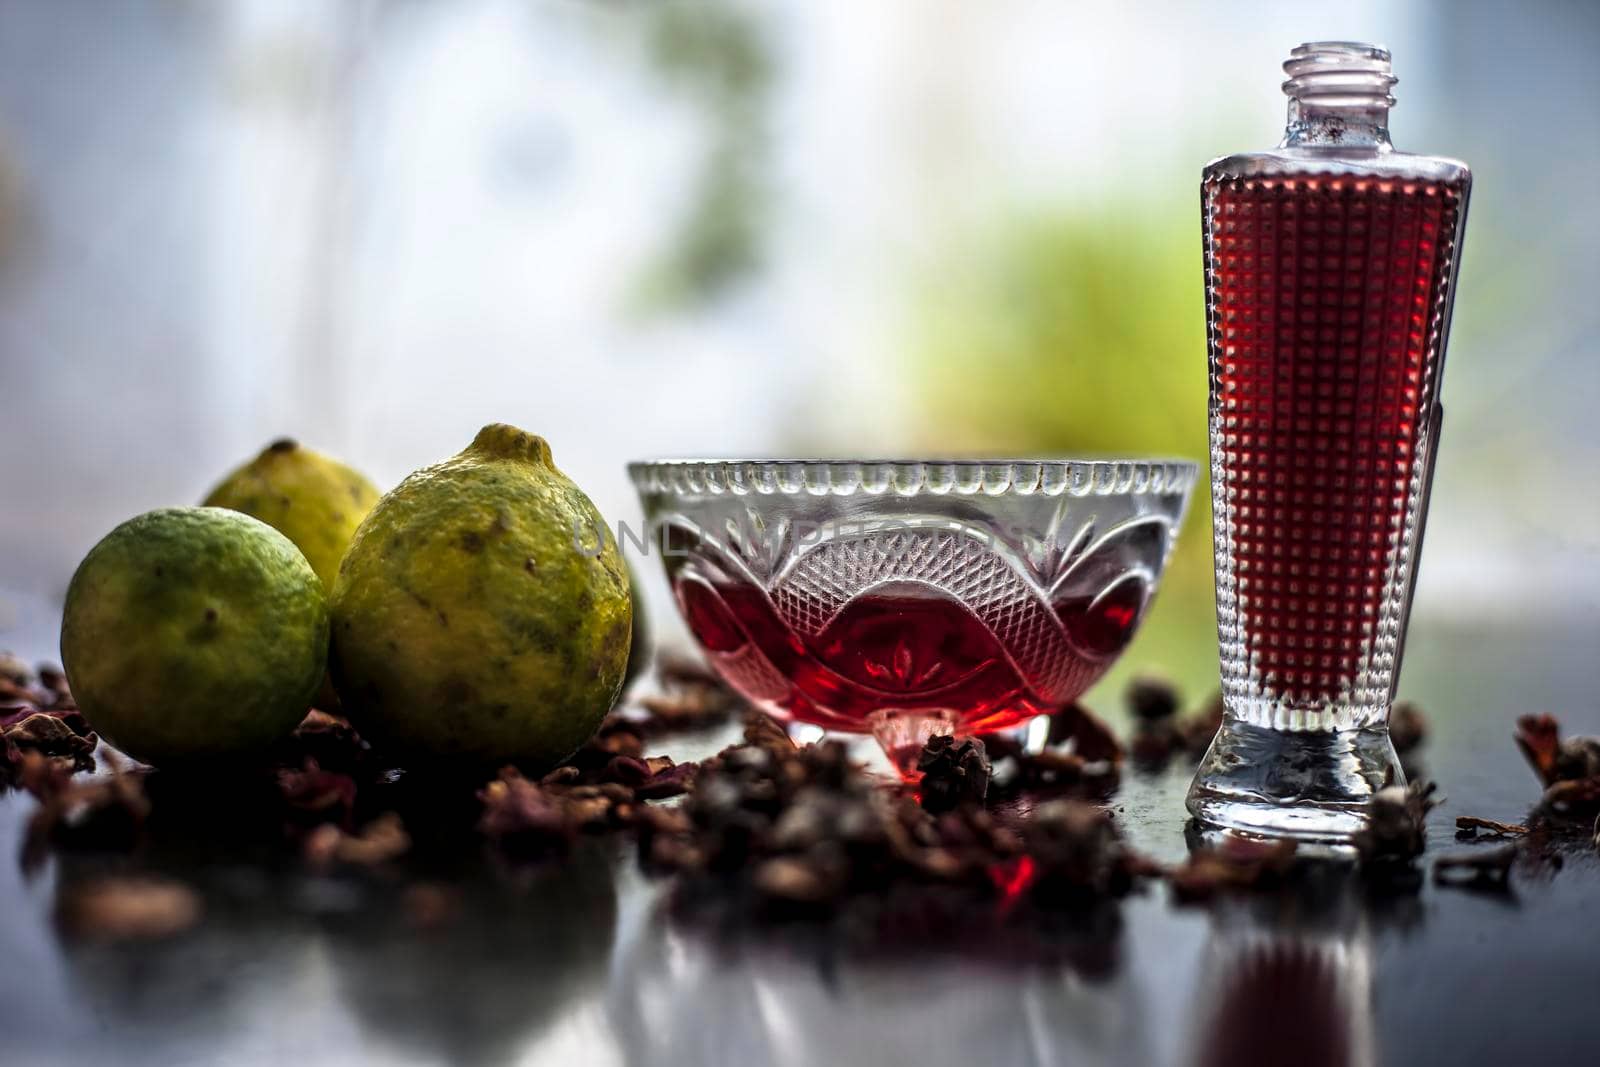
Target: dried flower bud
{"points": [[953, 772], [1152, 698], [61, 735], [1408, 727], [1394, 830]]}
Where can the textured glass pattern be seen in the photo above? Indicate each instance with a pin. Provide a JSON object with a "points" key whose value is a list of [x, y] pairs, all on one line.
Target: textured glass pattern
{"points": [[1328, 295], [905, 598]]}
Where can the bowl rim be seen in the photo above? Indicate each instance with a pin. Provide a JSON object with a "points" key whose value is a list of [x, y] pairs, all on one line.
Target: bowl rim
{"points": [[1048, 476]]}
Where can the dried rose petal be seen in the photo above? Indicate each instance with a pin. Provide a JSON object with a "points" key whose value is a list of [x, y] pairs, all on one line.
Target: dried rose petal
{"points": [[1569, 768], [521, 816], [766, 733], [1408, 727], [670, 781], [1573, 797], [1076, 850], [798, 880], [1057, 772], [1539, 737], [316, 792], [1091, 738], [330, 741], [1152, 698], [127, 909], [380, 841], [678, 670], [61, 734], [15, 670], [1235, 863], [101, 813]]}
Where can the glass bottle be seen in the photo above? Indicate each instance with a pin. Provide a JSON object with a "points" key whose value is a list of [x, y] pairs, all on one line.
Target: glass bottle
{"points": [[1330, 264]]}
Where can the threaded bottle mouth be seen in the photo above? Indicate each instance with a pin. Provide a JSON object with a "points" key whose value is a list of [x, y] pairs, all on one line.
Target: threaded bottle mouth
{"points": [[1339, 74]]}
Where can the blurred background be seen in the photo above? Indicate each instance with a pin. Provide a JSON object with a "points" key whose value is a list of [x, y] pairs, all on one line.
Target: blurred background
{"points": [[677, 227]]}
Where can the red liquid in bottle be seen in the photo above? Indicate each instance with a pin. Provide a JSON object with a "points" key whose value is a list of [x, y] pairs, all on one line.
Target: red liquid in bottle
{"points": [[1328, 293]]}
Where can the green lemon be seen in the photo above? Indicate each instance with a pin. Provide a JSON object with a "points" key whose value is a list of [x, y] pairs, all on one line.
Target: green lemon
{"points": [[194, 633], [313, 500], [482, 614]]}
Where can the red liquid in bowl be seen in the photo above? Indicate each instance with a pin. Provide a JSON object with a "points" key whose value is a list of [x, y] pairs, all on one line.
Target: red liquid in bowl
{"points": [[904, 647]]}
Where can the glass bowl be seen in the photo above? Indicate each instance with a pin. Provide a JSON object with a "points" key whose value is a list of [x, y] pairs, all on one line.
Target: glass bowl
{"points": [[912, 598]]}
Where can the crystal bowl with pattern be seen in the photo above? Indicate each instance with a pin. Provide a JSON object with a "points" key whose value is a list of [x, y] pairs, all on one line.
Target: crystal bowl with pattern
{"points": [[908, 598]]}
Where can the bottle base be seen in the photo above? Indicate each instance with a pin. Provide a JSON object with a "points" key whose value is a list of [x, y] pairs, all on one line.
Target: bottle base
{"points": [[1312, 786]]}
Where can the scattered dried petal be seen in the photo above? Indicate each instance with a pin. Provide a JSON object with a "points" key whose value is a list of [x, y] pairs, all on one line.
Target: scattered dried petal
{"points": [[522, 817], [677, 670], [1469, 825], [1408, 727], [1570, 768], [429, 906], [1483, 868], [1091, 739], [1574, 797], [796, 880], [1235, 863], [670, 781], [1152, 698], [380, 841], [319, 794], [60, 734], [329, 741], [101, 813], [1053, 771], [127, 909], [1076, 851], [768, 734]]}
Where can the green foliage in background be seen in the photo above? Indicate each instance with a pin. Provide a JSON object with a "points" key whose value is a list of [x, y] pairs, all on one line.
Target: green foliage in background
{"points": [[1074, 331], [718, 55]]}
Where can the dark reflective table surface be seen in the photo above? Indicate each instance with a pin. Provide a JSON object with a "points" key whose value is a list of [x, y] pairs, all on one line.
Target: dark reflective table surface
{"points": [[583, 962]]}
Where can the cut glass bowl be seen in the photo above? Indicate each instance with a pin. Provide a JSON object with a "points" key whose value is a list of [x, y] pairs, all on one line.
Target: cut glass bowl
{"points": [[912, 598]]}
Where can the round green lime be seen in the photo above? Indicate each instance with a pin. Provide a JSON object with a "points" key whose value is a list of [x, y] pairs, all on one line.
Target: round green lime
{"points": [[193, 634]]}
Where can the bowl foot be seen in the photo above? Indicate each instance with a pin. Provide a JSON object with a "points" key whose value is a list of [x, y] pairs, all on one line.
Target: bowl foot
{"points": [[902, 733]]}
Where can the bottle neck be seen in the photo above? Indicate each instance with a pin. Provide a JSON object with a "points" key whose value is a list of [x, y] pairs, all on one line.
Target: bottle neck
{"points": [[1338, 96]]}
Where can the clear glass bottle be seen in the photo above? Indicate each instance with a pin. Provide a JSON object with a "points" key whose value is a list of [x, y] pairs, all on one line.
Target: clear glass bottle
{"points": [[1330, 264]]}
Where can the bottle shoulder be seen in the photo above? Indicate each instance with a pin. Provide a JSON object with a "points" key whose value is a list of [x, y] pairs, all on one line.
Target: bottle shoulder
{"points": [[1376, 163]]}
